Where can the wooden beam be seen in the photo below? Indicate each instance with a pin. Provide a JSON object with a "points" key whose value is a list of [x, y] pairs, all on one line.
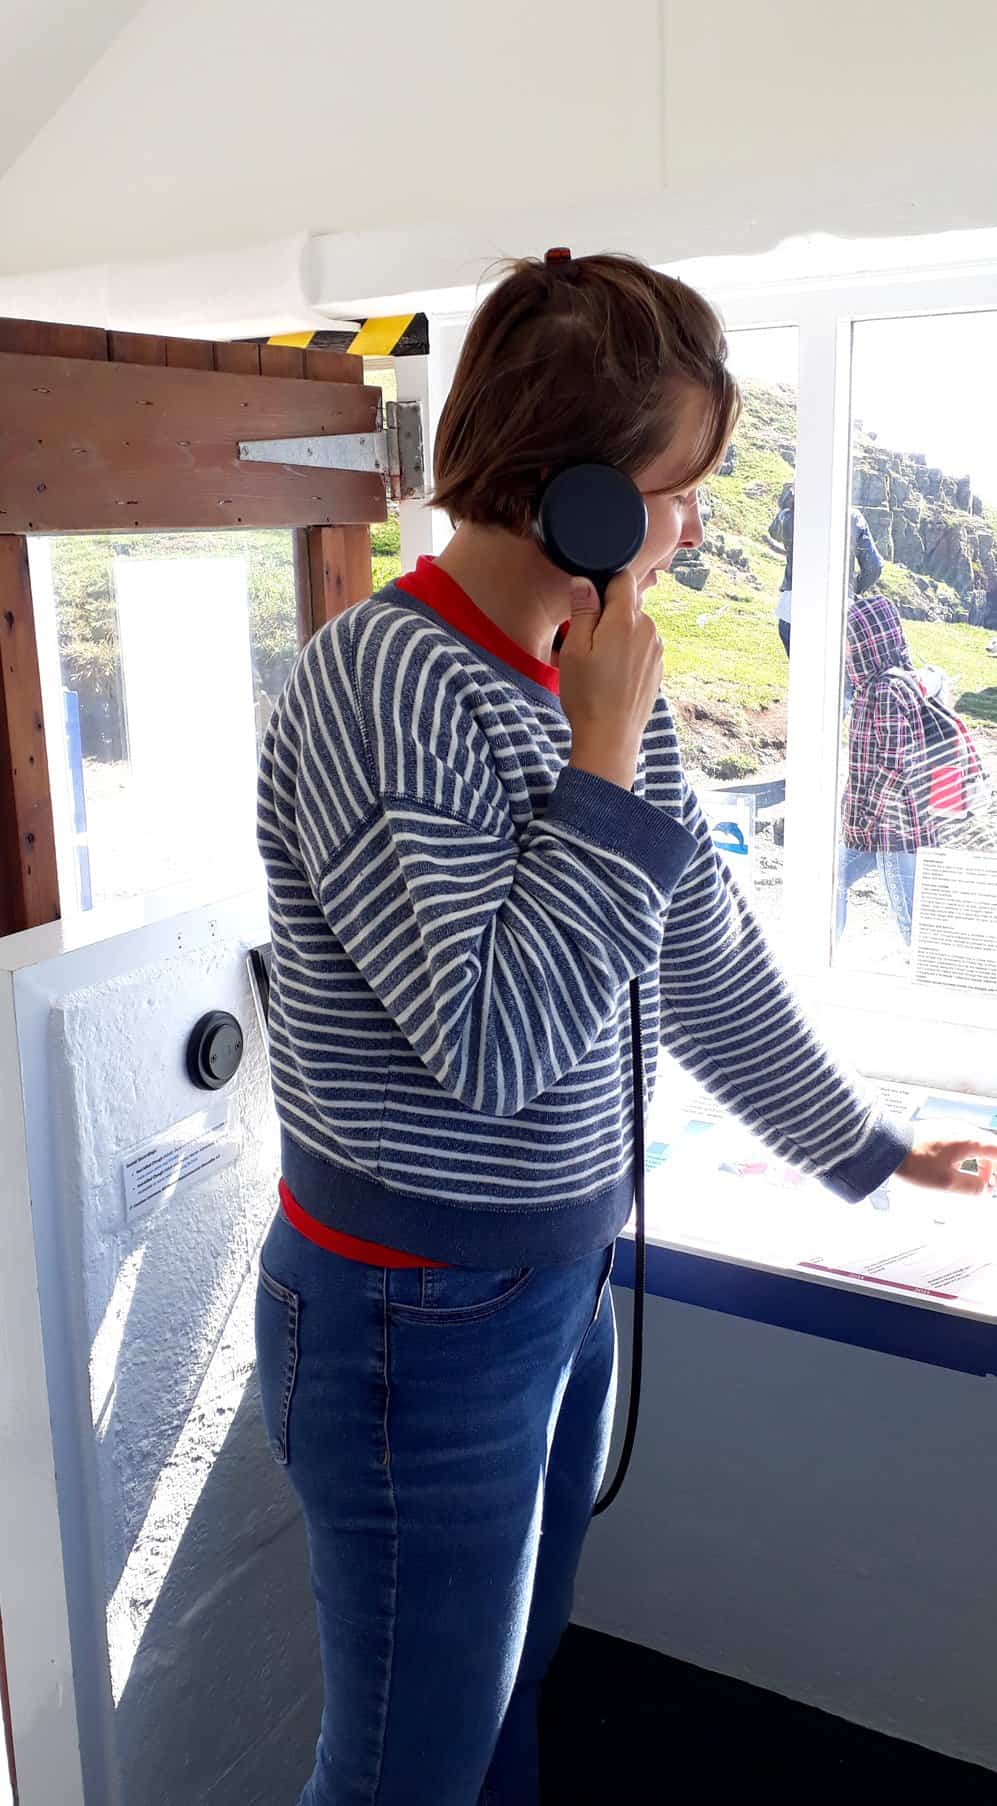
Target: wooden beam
{"points": [[240, 358], [29, 882], [333, 367], [302, 584], [190, 354], [136, 348], [281, 360], [45, 339], [339, 572], [88, 447]]}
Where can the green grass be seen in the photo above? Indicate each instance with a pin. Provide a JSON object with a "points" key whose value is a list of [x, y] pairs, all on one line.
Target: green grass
{"points": [[733, 659], [385, 546], [386, 537], [734, 511], [962, 653]]}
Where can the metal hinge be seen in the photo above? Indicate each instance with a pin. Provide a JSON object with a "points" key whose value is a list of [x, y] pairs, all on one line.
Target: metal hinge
{"points": [[394, 451]]}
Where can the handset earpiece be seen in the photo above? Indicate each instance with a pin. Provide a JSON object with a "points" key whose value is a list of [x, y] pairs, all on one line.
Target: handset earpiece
{"points": [[591, 521]]}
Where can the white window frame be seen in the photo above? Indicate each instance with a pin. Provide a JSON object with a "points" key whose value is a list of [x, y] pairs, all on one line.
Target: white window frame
{"points": [[824, 314]]}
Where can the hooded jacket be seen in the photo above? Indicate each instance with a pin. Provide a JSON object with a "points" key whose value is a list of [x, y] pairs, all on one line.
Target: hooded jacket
{"points": [[884, 804]]}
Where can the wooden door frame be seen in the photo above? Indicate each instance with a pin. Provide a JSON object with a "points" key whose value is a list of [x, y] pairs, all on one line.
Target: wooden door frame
{"points": [[86, 446]]}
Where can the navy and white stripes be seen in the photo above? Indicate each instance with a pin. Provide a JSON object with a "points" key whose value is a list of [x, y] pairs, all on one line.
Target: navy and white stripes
{"points": [[455, 917]]}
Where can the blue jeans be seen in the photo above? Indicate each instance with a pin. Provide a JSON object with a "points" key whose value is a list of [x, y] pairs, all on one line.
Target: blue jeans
{"points": [[897, 870], [446, 1431]]}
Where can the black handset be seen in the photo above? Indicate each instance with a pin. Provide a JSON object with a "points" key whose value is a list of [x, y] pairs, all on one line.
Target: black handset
{"points": [[591, 520]]}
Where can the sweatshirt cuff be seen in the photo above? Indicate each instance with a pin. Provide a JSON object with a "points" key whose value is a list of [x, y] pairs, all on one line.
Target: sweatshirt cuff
{"points": [[611, 817], [862, 1174]]}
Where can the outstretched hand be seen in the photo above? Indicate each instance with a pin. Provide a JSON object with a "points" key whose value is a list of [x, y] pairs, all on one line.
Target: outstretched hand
{"points": [[937, 1162]]}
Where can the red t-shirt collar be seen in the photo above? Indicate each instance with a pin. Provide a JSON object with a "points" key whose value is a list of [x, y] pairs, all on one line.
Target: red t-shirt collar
{"points": [[429, 584]]}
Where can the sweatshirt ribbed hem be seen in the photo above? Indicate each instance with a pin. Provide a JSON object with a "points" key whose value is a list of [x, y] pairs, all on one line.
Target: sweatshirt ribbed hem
{"points": [[457, 1234]]}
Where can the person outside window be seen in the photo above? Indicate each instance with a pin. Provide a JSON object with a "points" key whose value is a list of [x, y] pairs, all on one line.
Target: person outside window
{"points": [[865, 566]]}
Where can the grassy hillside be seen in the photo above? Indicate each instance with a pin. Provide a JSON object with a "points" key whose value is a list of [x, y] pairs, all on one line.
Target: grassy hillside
{"points": [[726, 673]]}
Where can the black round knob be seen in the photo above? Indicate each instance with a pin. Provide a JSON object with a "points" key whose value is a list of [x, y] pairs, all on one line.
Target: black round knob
{"points": [[214, 1051]]}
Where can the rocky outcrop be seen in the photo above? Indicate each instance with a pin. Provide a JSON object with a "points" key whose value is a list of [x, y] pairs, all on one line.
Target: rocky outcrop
{"points": [[693, 568], [933, 526]]}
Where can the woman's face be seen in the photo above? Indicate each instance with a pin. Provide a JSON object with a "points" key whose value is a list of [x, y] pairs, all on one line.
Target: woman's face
{"points": [[673, 517]]}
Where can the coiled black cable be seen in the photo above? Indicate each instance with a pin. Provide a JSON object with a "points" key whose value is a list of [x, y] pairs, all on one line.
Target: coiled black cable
{"points": [[640, 1259]]}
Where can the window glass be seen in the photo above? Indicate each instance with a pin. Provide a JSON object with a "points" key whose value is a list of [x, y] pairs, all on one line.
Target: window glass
{"points": [[163, 655], [723, 615], [917, 826], [385, 536]]}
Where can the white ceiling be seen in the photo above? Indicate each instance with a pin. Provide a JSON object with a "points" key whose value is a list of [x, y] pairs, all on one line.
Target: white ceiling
{"points": [[212, 165], [44, 52]]}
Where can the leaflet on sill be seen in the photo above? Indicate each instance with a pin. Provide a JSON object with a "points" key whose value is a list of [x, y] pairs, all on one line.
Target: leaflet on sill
{"points": [[713, 1184], [947, 1266]]}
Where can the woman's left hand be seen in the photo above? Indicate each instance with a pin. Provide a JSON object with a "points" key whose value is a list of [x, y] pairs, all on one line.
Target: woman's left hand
{"points": [[936, 1161]]}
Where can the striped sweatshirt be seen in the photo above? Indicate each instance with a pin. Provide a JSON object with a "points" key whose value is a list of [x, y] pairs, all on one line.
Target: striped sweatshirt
{"points": [[456, 915]]}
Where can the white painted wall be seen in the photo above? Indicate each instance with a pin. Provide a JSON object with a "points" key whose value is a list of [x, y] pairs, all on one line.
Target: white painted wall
{"points": [[32, 1590], [171, 1513], [213, 141], [812, 1518]]}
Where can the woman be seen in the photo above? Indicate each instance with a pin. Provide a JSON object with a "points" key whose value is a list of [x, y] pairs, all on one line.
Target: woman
{"points": [[470, 852], [884, 817]]}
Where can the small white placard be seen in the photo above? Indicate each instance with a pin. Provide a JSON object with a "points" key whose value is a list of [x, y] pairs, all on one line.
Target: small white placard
{"points": [[179, 1157], [955, 920]]}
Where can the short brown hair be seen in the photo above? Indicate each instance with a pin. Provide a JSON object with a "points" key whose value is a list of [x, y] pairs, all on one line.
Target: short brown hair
{"points": [[574, 361]]}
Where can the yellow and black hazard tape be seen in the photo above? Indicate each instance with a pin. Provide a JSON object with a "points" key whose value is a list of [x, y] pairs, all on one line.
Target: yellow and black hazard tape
{"points": [[398, 335]]}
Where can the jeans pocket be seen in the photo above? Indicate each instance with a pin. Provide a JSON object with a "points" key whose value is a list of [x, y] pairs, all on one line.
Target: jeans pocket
{"points": [[277, 1314], [452, 1295]]}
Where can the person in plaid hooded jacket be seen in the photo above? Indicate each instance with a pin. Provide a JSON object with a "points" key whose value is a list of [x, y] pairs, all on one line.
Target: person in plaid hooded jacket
{"points": [[885, 819]]}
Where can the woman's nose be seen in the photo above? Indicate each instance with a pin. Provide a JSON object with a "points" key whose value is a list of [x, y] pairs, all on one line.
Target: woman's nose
{"points": [[692, 528]]}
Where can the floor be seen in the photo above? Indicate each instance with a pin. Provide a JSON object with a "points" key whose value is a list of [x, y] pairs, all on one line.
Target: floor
{"points": [[623, 1726]]}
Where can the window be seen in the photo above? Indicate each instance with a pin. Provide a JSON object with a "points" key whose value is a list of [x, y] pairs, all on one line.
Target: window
{"points": [[719, 614], [891, 478], [917, 825], [163, 655]]}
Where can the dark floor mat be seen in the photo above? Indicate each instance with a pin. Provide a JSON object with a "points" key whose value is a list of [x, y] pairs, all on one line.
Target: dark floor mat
{"points": [[622, 1726]]}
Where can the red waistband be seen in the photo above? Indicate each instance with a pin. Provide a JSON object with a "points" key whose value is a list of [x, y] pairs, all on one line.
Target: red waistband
{"points": [[351, 1247]]}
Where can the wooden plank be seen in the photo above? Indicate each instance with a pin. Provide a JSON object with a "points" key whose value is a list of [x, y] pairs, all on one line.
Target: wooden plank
{"points": [[333, 367], [136, 348], [339, 570], [87, 447], [29, 883], [240, 358], [41, 338], [301, 546], [190, 354], [281, 360]]}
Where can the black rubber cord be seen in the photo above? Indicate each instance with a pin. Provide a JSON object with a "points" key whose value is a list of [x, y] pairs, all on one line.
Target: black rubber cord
{"points": [[640, 1259]]}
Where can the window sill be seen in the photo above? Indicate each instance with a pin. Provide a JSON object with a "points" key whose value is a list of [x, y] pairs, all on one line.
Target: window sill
{"points": [[815, 1305], [909, 1273]]}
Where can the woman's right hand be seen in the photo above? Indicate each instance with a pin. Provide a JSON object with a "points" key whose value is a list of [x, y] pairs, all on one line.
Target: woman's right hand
{"points": [[610, 666]]}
